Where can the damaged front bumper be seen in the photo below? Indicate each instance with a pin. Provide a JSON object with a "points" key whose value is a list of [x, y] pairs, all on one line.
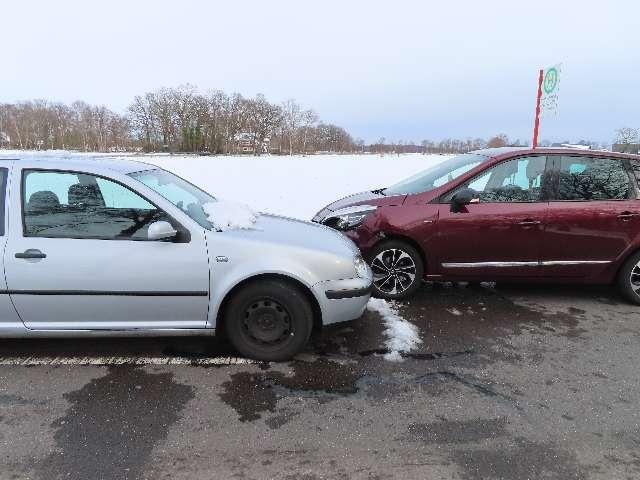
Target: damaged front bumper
{"points": [[342, 300]]}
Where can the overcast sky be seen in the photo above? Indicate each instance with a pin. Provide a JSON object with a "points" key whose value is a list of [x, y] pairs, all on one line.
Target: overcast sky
{"points": [[405, 70]]}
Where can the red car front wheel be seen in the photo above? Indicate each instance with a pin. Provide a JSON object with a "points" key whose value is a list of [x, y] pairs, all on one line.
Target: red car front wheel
{"points": [[397, 270]]}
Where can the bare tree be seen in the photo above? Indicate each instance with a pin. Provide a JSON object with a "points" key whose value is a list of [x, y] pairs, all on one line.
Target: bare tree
{"points": [[627, 135], [143, 121], [498, 141], [291, 117], [264, 117], [309, 119]]}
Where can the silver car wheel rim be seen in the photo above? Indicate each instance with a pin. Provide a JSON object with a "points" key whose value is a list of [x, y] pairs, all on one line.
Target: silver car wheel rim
{"points": [[394, 271], [634, 279], [267, 322]]}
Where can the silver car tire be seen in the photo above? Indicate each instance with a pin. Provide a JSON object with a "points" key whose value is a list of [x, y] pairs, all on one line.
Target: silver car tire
{"points": [[269, 320]]}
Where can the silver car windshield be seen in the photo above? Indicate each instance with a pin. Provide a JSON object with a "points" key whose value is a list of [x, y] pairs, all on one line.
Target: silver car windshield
{"points": [[184, 195], [436, 176]]}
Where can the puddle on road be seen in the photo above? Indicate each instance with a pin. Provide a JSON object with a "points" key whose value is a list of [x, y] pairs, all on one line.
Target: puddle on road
{"points": [[112, 425], [484, 319], [252, 394], [486, 308], [321, 376], [249, 395]]}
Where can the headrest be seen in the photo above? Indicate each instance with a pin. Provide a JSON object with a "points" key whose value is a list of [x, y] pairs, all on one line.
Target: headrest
{"points": [[43, 200], [86, 195]]}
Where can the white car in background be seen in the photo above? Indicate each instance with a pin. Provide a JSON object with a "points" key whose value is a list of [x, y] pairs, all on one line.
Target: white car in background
{"points": [[110, 247]]}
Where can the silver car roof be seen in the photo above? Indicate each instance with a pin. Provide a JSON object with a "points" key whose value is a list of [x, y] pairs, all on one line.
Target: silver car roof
{"points": [[106, 163]]}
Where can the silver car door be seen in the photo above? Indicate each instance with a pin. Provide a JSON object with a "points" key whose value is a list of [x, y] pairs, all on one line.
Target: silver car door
{"points": [[9, 319], [78, 257]]}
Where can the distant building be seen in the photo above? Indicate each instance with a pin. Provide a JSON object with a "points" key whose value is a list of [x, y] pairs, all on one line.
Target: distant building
{"points": [[627, 148], [245, 143]]}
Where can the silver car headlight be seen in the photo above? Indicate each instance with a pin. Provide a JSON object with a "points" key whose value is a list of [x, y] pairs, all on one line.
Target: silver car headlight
{"points": [[362, 268], [349, 217]]}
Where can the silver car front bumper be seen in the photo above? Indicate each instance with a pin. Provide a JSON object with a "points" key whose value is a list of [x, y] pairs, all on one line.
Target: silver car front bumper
{"points": [[342, 300]]}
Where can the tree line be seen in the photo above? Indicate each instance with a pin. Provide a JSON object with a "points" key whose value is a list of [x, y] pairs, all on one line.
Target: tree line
{"points": [[457, 145], [183, 119], [175, 120], [42, 125]]}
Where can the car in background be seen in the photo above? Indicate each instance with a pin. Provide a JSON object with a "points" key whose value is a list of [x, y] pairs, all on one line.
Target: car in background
{"points": [[506, 214], [98, 247]]}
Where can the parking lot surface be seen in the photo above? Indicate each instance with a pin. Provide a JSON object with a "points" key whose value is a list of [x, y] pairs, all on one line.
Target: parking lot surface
{"points": [[510, 383]]}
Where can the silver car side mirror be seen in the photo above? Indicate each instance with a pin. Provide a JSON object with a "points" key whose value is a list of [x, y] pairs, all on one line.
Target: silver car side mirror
{"points": [[161, 231]]}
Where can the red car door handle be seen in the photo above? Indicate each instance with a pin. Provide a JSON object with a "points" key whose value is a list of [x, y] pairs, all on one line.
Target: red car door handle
{"points": [[627, 215], [529, 223]]}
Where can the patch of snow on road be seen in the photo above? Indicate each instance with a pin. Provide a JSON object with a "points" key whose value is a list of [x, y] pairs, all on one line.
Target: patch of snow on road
{"points": [[225, 215], [402, 335]]}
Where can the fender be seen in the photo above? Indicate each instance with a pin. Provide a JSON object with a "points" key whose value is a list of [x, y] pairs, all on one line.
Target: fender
{"points": [[226, 276]]}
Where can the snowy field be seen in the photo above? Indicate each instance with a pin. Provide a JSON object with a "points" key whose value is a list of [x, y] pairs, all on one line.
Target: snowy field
{"points": [[295, 186]]}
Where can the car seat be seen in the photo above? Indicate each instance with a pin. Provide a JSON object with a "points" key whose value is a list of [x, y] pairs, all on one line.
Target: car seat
{"points": [[85, 195], [43, 200]]}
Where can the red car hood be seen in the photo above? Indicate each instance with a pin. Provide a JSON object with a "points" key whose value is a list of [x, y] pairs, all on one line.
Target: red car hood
{"points": [[363, 198]]}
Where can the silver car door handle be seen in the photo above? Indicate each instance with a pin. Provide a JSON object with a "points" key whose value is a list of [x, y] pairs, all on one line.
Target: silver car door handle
{"points": [[31, 253], [529, 223]]}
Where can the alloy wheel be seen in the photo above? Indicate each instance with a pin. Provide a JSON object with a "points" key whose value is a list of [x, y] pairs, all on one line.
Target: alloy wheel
{"points": [[634, 279], [394, 271]]}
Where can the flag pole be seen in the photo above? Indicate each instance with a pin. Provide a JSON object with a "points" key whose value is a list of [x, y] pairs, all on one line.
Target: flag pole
{"points": [[537, 122]]}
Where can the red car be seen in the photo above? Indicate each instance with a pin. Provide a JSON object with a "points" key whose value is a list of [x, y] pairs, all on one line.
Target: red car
{"points": [[507, 214]]}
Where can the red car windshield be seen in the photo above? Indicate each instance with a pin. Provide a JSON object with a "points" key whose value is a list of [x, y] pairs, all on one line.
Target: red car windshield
{"points": [[437, 175]]}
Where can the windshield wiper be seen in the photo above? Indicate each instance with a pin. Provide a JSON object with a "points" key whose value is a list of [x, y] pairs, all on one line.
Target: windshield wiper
{"points": [[379, 191]]}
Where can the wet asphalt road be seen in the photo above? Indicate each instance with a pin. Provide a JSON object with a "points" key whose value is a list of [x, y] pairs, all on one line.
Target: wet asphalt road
{"points": [[512, 383]]}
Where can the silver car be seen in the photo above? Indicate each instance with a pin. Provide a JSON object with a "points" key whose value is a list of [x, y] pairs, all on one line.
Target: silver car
{"points": [[110, 247]]}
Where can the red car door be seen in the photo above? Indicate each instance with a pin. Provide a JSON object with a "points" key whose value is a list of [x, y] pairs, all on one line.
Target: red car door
{"points": [[501, 235], [593, 216]]}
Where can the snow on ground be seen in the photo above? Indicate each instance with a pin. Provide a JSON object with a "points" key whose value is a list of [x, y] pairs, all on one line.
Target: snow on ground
{"points": [[225, 215], [295, 186], [402, 335]]}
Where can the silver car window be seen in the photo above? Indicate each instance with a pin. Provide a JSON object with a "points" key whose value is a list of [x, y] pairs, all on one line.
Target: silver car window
{"points": [[77, 205], [184, 195]]}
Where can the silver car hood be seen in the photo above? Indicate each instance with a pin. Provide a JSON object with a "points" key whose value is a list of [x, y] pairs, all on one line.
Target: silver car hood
{"points": [[292, 232]]}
